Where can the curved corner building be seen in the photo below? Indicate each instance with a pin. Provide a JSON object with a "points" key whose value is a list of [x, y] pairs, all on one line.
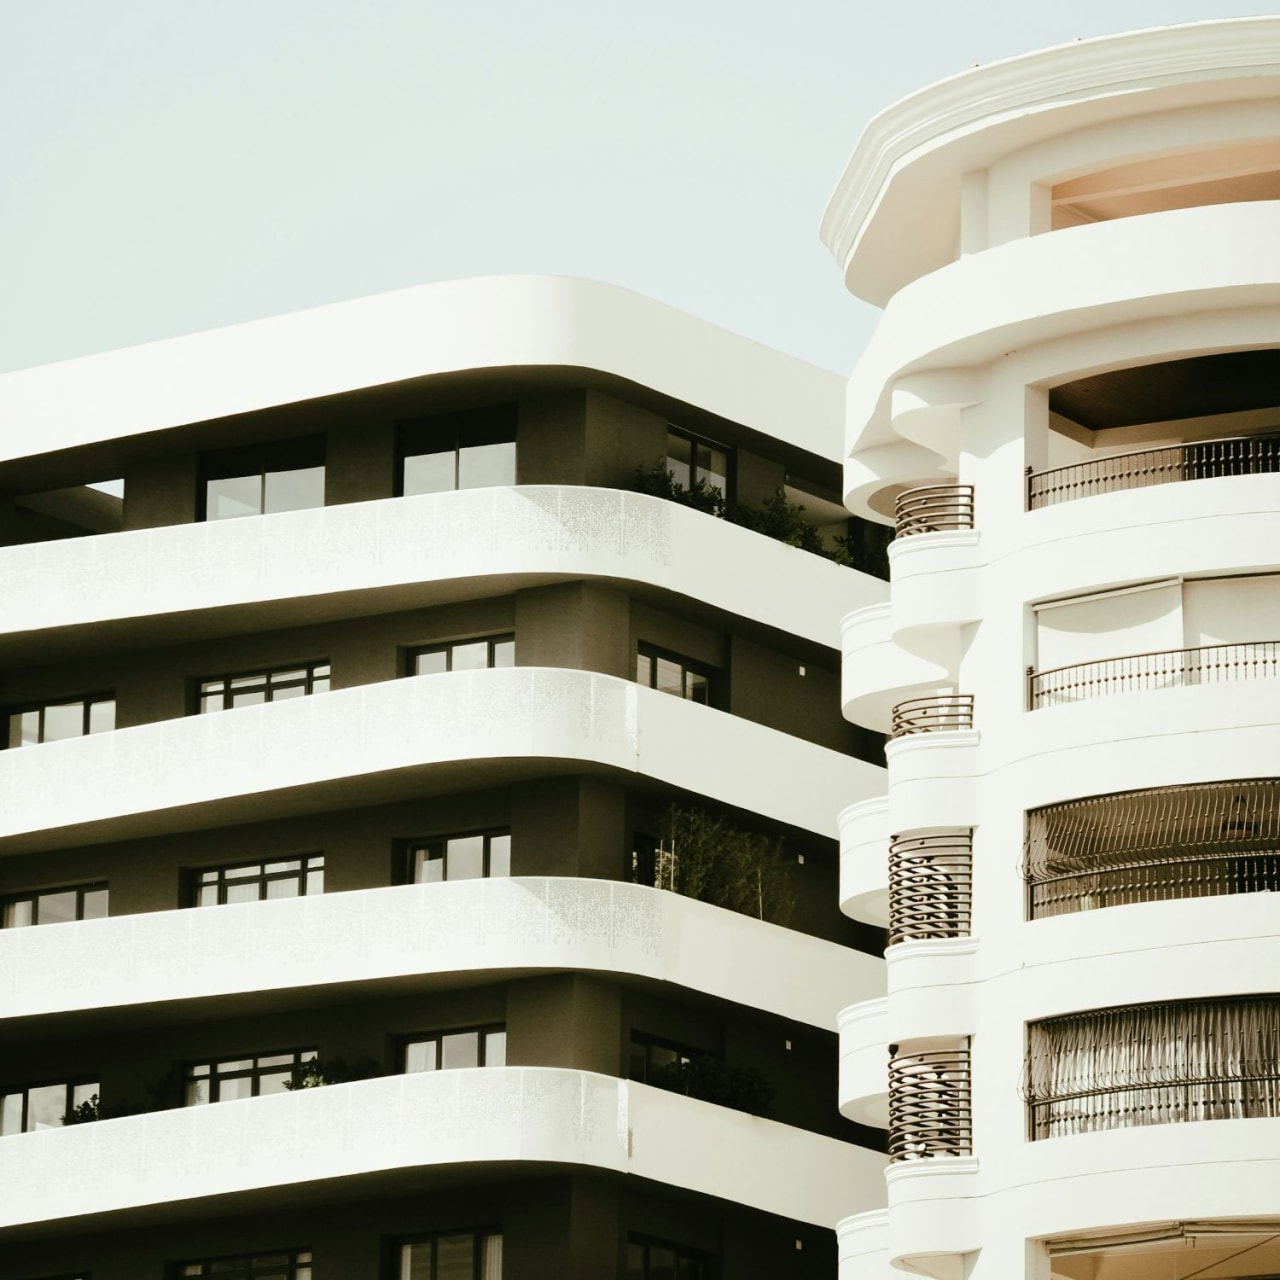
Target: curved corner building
{"points": [[356, 732], [1071, 412]]}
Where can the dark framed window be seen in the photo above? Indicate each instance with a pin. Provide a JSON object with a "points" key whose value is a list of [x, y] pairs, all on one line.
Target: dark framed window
{"points": [[477, 856], [650, 1259], [54, 906], [671, 673], [449, 1255], [64, 718], [276, 1264], [258, 881], [226, 1079], [463, 655], [286, 475], [42, 1106], [469, 450], [692, 460], [448, 1050], [252, 688], [650, 1056]]}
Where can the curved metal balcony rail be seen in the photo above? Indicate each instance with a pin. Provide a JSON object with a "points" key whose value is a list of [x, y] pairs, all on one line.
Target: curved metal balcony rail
{"points": [[1195, 841], [932, 714], [1154, 1064], [930, 1104], [1166, 669], [1166, 464], [930, 886], [932, 508]]}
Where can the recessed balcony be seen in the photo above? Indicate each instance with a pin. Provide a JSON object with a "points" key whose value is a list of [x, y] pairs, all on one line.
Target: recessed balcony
{"points": [[930, 886], [930, 1103], [1166, 669]]}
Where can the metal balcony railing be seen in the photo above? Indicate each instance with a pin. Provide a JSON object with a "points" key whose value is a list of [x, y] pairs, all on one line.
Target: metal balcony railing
{"points": [[932, 508], [930, 1104], [1195, 841], [1167, 464], [930, 886], [1168, 668], [1154, 1064], [931, 714]]}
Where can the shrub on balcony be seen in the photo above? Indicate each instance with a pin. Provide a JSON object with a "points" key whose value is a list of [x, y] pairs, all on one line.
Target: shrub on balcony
{"points": [[706, 857], [318, 1072], [711, 1080], [86, 1113]]}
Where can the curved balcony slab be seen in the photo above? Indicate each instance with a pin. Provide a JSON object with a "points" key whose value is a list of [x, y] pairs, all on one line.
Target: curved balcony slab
{"points": [[1046, 287], [935, 1213], [862, 1242], [931, 779], [441, 1121], [517, 323], [934, 989], [864, 1063], [151, 585], [437, 931], [407, 737], [878, 673], [864, 860], [936, 579]]}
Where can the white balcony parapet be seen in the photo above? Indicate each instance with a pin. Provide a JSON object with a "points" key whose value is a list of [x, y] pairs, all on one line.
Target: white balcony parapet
{"points": [[465, 927], [386, 737], [331, 561], [500, 1116]]}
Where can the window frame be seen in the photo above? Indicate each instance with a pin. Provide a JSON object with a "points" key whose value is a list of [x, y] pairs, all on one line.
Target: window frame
{"points": [[396, 1269], [706, 1262], [312, 675], [261, 460], [299, 1257], [212, 1078], [684, 1053], [86, 700], [34, 895], [448, 646], [688, 666], [196, 883], [500, 420], [69, 1088], [482, 1031], [696, 472], [488, 834]]}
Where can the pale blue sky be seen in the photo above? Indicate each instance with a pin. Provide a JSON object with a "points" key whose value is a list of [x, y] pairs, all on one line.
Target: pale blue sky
{"points": [[172, 165]]}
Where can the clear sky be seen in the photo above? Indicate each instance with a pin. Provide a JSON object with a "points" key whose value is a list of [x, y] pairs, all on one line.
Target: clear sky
{"points": [[168, 166]]}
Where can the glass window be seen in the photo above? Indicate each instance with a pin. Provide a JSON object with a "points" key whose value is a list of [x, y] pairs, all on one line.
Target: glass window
{"points": [[649, 1259], [54, 906], [287, 475], [450, 1050], [454, 1255], [256, 881], [56, 721], [470, 450], [692, 461], [24, 1110], [650, 1057], [224, 693], [463, 655], [230, 1078], [670, 673], [486, 854], [279, 1264]]}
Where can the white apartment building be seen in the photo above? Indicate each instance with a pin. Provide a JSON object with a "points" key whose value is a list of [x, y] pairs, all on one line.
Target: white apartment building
{"points": [[1071, 411]]}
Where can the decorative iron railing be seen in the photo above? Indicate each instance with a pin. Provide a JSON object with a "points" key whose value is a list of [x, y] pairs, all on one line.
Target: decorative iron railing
{"points": [[1195, 841], [930, 886], [931, 714], [932, 508], [1167, 464], [1154, 1064], [930, 1104], [1168, 668]]}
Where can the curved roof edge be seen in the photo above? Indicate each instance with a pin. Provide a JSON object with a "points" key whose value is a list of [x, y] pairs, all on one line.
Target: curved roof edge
{"points": [[493, 322], [1058, 76]]}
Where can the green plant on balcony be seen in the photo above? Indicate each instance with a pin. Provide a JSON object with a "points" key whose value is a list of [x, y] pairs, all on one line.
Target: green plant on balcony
{"points": [[318, 1072], [706, 857], [85, 1113], [711, 1080], [658, 482]]}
